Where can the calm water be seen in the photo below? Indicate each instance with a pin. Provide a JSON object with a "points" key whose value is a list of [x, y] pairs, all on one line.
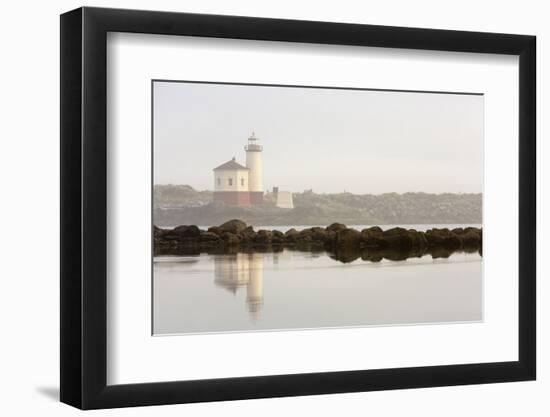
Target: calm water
{"points": [[297, 290]]}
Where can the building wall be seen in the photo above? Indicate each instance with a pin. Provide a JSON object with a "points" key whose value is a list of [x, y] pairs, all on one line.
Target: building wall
{"points": [[284, 200], [239, 180], [233, 198], [256, 197]]}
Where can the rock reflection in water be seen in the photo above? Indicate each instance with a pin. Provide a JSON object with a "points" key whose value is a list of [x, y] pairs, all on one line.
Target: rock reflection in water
{"points": [[242, 269], [233, 271], [396, 254]]}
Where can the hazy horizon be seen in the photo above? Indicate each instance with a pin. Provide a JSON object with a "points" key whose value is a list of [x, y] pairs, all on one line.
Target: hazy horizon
{"points": [[327, 140]]}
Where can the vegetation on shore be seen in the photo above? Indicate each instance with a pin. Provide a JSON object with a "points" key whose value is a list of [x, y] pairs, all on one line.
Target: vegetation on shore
{"points": [[342, 242], [181, 204]]}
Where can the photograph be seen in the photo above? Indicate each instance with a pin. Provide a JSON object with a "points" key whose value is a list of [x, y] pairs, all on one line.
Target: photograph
{"points": [[280, 207]]}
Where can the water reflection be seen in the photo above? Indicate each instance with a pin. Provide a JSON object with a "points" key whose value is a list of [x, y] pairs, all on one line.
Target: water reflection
{"points": [[242, 269], [292, 289], [235, 271], [396, 254]]}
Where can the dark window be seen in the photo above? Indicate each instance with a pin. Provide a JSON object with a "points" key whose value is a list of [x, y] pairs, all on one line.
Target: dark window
{"points": [[230, 181], [242, 181], [219, 181]]}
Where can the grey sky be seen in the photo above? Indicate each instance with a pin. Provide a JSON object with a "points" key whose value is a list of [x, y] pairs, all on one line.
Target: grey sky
{"points": [[328, 140]]}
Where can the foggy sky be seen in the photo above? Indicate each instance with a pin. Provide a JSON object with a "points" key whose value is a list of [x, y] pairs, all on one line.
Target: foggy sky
{"points": [[365, 142]]}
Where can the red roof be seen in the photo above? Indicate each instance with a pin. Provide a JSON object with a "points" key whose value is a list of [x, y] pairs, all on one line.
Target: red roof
{"points": [[230, 165]]}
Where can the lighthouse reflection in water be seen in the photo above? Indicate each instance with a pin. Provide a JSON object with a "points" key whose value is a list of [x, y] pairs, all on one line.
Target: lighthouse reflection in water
{"points": [[240, 292], [233, 272]]}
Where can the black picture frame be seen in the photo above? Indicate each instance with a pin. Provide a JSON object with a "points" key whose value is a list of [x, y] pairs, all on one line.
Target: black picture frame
{"points": [[84, 207]]}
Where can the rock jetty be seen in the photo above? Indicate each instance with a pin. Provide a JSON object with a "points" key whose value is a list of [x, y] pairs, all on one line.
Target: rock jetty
{"points": [[372, 243]]}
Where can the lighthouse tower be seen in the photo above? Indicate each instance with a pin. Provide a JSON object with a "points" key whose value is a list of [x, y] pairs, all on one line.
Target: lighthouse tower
{"points": [[255, 174]]}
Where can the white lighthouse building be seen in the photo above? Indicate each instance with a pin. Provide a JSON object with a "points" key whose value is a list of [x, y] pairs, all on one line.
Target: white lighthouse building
{"points": [[255, 174], [239, 185]]}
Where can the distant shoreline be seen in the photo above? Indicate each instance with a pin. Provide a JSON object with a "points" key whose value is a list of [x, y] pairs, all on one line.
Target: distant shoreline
{"points": [[181, 204]]}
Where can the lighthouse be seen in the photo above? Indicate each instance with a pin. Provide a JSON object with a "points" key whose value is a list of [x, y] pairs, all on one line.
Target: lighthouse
{"points": [[238, 185], [255, 174]]}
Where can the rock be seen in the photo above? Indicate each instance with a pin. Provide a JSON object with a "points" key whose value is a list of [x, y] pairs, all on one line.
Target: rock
{"points": [[291, 236], [209, 239], [305, 239], [186, 231], [169, 236], [443, 238], [372, 237], [304, 236], [418, 239], [395, 244], [277, 233], [336, 227], [248, 234], [471, 238], [216, 230], [209, 236], [234, 226], [179, 235], [330, 238], [373, 231], [158, 232], [278, 237], [348, 238], [263, 236], [395, 231], [318, 234], [402, 242], [452, 243], [231, 238], [397, 238]]}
